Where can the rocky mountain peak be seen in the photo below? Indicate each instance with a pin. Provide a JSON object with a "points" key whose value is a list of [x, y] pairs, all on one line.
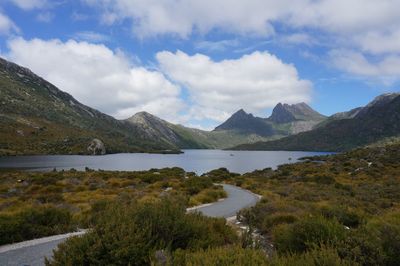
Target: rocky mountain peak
{"points": [[285, 113], [281, 114], [241, 114], [246, 123], [144, 118]]}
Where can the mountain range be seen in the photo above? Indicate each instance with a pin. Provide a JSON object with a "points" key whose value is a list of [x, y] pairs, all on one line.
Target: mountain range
{"points": [[376, 121], [38, 118]]}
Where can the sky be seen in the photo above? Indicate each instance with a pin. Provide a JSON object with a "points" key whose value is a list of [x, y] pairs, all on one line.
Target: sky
{"points": [[195, 62]]}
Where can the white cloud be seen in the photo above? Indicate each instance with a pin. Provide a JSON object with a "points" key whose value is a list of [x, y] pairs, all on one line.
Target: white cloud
{"points": [[369, 26], [98, 77], [7, 25], [376, 42], [152, 17], [347, 16], [385, 69], [256, 81], [30, 4]]}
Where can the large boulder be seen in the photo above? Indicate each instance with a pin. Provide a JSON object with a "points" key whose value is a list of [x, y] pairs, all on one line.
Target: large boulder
{"points": [[96, 147]]}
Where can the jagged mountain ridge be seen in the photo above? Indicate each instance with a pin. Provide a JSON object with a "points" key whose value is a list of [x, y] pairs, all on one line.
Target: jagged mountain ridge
{"points": [[284, 120], [378, 120], [285, 113]]}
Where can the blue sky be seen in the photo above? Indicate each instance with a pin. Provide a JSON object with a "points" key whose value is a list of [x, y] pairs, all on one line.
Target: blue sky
{"points": [[196, 62]]}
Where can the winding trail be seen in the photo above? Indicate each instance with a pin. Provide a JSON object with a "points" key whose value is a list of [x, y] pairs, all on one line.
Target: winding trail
{"points": [[32, 252], [237, 199]]}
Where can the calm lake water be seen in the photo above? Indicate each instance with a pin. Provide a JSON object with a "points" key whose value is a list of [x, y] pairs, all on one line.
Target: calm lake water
{"points": [[199, 161]]}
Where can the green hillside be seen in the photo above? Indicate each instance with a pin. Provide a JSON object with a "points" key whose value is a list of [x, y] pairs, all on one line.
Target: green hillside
{"points": [[38, 118]]}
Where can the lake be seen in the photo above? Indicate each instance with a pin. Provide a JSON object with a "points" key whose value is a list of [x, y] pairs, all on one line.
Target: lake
{"points": [[199, 161]]}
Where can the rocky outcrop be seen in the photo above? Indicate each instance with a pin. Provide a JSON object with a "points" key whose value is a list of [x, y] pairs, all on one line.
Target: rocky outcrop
{"points": [[153, 127], [302, 126], [285, 113], [96, 147], [281, 114]]}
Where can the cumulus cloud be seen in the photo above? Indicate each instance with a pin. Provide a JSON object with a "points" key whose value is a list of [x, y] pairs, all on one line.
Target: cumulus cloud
{"points": [[151, 17], [7, 25], [369, 26], [99, 77], [217, 88]]}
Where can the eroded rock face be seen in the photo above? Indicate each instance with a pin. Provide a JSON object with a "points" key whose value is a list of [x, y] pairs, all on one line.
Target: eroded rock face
{"points": [[96, 147]]}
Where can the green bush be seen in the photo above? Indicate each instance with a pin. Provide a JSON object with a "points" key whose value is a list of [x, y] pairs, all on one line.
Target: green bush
{"points": [[130, 235], [316, 257], [33, 223], [342, 214], [221, 256], [273, 220], [220, 175], [307, 233], [363, 247], [196, 184]]}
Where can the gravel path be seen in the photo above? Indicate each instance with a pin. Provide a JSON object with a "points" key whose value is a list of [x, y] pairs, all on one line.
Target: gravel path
{"points": [[32, 252], [237, 199]]}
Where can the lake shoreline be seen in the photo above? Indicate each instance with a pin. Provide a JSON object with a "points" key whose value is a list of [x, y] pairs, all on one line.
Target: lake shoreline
{"points": [[198, 161]]}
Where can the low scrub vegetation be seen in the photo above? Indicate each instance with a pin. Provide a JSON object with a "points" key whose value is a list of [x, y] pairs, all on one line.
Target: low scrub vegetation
{"points": [[34, 222], [336, 210], [36, 204], [137, 233]]}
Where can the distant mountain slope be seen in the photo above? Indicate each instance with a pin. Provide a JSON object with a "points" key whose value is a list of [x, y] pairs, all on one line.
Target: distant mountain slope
{"points": [[38, 118], [245, 123], [188, 138], [378, 120], [156, 128], [346, 115], [285, 120]]}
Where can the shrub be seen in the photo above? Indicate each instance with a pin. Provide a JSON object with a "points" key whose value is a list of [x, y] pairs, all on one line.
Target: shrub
{"points": [[33, 223], [315, 257], [208, 195], [307, 233], [130, 234], [221, 174], [342, 214], [276, 219], [222, 256], [196, 184], [363, 247]]}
